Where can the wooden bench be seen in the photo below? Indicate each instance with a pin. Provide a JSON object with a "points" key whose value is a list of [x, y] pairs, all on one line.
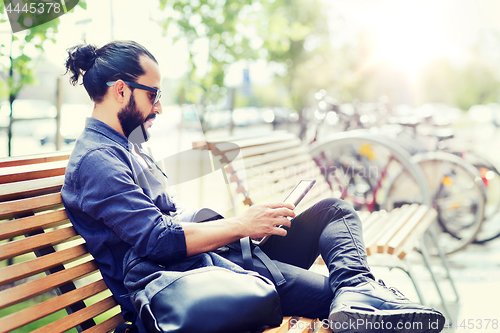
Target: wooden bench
{"points": [[270, 165], [45, 268]]}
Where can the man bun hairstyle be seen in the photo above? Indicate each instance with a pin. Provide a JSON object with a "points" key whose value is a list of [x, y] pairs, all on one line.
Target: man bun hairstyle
{"points": [[113, 61]]}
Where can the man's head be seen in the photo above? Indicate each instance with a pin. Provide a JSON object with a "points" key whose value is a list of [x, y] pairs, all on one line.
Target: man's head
{"points": [[123, 80]]}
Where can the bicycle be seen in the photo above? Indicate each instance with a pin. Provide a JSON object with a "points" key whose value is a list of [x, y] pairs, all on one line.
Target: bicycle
{"points": [[459, 222]]}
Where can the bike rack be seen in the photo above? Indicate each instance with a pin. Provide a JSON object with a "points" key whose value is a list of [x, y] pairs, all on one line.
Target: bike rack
{"points": [[411, 165]]}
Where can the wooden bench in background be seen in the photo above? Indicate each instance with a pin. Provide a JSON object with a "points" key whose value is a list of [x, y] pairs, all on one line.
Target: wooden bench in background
{"points": [[271, 165]]}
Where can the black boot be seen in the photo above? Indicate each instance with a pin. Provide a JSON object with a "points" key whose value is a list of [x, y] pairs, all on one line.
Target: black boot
{"points": [[373, 307]]}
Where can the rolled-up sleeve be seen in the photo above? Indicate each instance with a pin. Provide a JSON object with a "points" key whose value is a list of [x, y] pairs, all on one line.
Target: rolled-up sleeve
{"points": [[112, 197]]}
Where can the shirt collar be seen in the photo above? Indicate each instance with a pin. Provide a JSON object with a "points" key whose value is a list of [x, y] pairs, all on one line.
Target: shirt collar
{"points": [[108, 131]]}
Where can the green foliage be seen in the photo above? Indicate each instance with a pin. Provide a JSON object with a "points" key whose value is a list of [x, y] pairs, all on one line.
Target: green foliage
{"points": [[473, 84], [274, 30], [294, 37], [20, 62]]}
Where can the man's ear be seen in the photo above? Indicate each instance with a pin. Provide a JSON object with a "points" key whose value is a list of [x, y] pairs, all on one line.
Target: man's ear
{"points": [[120, 91]]}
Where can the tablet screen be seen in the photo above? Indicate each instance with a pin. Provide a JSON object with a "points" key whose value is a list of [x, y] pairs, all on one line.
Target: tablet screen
{"points": [[297, 194], [300, 191]]}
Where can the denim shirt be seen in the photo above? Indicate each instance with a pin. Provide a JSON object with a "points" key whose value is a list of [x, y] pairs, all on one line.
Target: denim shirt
{"points": [[112, 212]]}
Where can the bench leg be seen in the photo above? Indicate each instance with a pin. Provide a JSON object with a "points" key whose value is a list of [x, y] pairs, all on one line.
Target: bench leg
{"points": [[433, 234], [427, 262], [413, 279]]}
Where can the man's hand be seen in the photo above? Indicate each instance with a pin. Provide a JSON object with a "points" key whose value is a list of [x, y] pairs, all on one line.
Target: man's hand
{"points": [[264, 220], [258, 221]]}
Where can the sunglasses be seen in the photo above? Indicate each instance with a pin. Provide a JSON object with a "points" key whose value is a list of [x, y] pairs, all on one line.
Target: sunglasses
{"points": [[154, 99]]}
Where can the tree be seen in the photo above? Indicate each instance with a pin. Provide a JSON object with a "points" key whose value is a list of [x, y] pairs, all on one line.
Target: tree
{"points": [[286, 33], [475, 82], [21, 56]]}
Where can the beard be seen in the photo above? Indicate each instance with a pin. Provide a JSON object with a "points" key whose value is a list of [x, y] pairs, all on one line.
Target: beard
{"points": [[130, 117]]}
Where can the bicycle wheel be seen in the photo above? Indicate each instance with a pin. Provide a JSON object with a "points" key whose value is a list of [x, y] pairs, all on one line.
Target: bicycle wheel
{"points": [[358, 165], [457, 192], [490, 175]]}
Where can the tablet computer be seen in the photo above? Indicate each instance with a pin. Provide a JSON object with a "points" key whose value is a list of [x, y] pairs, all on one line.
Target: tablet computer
{"points": [[298, 193]]}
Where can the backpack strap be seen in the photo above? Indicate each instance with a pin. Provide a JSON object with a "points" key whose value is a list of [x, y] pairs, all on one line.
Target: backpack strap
{"points": [[246, 253]]}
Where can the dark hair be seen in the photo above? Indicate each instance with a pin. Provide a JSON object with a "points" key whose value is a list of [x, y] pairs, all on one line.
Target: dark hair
{"points": [[113, 61]]}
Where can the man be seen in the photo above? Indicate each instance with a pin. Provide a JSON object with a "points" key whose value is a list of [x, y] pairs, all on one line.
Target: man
{"points": [[114, 212]]}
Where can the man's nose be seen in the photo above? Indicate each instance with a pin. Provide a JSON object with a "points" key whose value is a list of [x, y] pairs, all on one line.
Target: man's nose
{"points": [[157, 108]]}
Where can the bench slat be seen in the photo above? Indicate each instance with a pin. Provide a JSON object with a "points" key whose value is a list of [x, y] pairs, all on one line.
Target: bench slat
{"points": [[384, 229], [283, 328], [262, 160], [417, 234], [26, 225], [297, 162], [371, 224], [248, 152], [289, 175], [372, 234], [367, 221], [32, 171], [414, 213], [278, 187], [323, 330], [40, 310], [219, 147], [363, 215], [22, 207], [107, 325], [35, 159], [31, 289], [30, 188], [78, 317], [41, 264], [317, 193], [30, 244], [400, 236], [303, 325]]}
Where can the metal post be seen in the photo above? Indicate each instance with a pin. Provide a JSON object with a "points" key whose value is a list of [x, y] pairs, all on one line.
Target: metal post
{"points": [[59, 103]]}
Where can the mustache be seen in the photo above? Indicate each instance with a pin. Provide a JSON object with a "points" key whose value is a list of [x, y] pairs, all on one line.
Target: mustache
{"points": [[151, 116]]}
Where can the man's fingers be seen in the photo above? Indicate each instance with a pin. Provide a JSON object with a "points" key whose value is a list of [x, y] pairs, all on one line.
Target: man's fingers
{"points": [[283, 211], [283, 221], [279, 231], [275, 205]]}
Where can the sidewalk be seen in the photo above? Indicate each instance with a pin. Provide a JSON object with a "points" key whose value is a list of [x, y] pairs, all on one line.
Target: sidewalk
{"points": [[476, 272]]}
